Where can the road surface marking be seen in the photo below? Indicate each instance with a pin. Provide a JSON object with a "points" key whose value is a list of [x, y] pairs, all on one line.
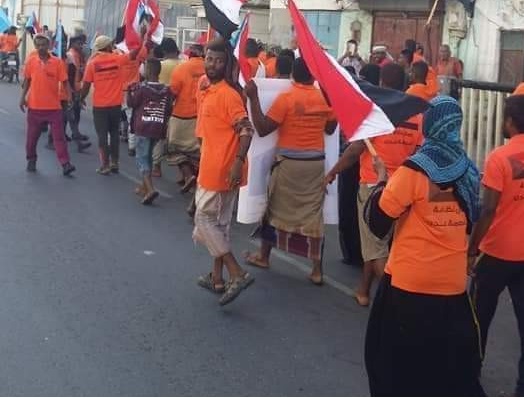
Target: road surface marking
{"points": [[2, 110], [305, 269], [282, 256]]}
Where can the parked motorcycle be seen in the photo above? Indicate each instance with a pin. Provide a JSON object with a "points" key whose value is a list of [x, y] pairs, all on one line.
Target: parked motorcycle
{"points": [[9, 68]]}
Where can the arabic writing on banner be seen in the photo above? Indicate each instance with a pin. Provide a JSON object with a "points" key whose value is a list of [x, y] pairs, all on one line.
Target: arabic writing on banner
{"points": [[253, 197]]}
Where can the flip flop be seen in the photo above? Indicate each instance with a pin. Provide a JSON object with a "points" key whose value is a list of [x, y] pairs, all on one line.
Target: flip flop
{"points": [[149, 199], [253, 260]]}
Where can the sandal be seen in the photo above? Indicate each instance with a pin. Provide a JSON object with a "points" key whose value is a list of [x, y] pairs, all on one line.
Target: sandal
{"points": [[254, 260], [150, 198], [140, 191], [190, 182], [206, 281], [235, 287]]}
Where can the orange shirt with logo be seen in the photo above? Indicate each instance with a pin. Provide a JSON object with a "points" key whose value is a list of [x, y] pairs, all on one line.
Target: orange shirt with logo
{"points": [[301, 113], [131, 68], [184, 84], [504, 172], [393, 149], [428, 255], [105, 72], [220, 109], [45, 77]]}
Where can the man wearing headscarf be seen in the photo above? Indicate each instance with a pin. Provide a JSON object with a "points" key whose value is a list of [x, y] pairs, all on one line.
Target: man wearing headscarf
{"points": [[499, 233], [422, 338]]}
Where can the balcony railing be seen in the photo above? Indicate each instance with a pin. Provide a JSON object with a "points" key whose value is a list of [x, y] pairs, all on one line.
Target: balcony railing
{"points": [[483, 107]]}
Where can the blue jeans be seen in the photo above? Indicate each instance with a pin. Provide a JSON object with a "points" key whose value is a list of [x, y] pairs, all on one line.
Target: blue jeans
{"points": [[144, 154]]}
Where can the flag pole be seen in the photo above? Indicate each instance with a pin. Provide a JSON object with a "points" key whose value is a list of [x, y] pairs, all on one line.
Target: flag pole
{"points": [[432, 13], [370, 147]]}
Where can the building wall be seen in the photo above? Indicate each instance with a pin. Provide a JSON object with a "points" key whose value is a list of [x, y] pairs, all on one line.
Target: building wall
{"points": [[366, 22], [70, 12], [480, 50]]}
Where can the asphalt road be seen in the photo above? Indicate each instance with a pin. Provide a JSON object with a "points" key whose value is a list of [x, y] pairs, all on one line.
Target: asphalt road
{"points": [[98, 296]]}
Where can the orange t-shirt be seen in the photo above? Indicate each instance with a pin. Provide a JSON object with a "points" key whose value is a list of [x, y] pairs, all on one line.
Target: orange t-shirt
{"points": [[45, 77], [64, 96], [423, 91], [393, 149], [301, 113], [131, 68], [254, 64], [428, 255], [105, 71], [220, 109], [271, 67], [504, 172], [184, 84], [519, 90], [9, 43]]}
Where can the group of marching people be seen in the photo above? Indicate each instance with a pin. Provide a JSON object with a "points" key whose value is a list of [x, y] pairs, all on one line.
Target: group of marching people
{"points": [[418, 200]]}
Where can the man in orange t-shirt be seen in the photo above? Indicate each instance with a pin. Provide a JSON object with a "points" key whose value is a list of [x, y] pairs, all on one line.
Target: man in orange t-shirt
{"points": [[421, 86], [296, 196], [393, 149], [252, 52], [43, 76], [226, 135], [499, 234], [105, 71], [448, 65], [519, 90], [183, 145]]}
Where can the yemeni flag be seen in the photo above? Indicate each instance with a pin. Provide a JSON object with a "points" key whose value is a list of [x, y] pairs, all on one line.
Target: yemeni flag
{"points": [[137, 13], [239, 43], [360, 116], [224, 15], [33, 26]]}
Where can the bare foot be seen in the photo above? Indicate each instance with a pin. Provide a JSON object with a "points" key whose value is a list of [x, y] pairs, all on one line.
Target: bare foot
{"points": [[140, 190], [362, 300], [255, 260], [316, 279]]}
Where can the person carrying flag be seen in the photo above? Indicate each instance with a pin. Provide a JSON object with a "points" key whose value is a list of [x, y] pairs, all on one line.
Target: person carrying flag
{"points": [[105, 71], [44, 74], [393, 149], [296, 195]]}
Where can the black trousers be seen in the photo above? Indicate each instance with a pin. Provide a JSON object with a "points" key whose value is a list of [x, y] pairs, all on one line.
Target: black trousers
{"points": [[492, 277], [422, 345], [107, 126]]}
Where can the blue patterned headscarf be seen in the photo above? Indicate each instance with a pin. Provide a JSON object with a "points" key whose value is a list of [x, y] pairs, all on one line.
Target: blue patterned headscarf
{"points": [[442, 156]]}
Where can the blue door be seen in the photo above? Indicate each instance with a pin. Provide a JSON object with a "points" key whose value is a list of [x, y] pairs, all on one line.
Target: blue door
{"points": [[325, 25]]}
